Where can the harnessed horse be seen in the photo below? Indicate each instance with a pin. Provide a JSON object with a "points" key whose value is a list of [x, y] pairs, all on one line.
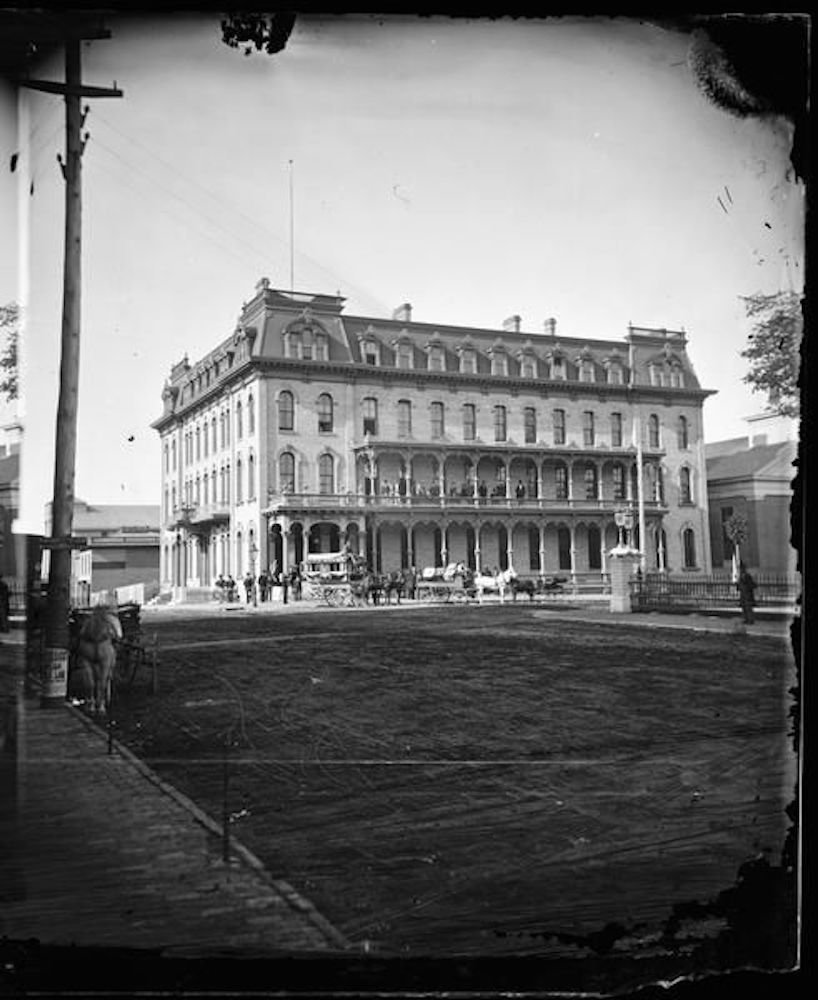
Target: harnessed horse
{"points": [[95, 655], [498, 583]]}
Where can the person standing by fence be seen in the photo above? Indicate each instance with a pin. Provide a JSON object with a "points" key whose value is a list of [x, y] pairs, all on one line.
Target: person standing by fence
{"points": [[746, 595]]}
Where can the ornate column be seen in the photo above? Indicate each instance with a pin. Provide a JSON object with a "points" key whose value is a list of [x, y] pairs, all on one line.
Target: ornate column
{"points": [[540, 482], [599, 495], [510, 545], [573, 554], [444, 543], [570, 464], [629, 482], [542, 548]]}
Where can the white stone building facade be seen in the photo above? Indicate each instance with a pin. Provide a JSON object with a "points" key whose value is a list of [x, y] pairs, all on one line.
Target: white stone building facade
{"points": [[425, 443]]}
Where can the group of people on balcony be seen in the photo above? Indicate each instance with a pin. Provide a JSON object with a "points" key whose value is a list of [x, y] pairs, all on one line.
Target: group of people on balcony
{"points": [[465, 489]]}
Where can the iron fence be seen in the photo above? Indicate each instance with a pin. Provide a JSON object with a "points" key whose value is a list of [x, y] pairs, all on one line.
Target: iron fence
{"points": [[665, 592]]}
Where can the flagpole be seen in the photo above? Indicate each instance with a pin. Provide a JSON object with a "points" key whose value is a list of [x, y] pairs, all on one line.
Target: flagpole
{"points": [[292, 230]]}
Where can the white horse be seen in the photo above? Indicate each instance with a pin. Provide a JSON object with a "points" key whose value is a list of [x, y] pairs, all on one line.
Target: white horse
{"points": [[497, 583], [96, 655]]}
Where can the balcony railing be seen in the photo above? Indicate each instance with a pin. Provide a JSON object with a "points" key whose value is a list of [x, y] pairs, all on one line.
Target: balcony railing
{"points": [[318, 501]]}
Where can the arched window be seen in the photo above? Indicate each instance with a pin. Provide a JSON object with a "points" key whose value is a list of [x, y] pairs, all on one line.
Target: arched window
{"points": [[689, 548], [286, 473], [326, 474], [564, 547], [227, 427], [499, 423], [588, 430], [404, 418], [616, 430], [469, 422], [205, 437], [682, 434], [205, 489], [239, 489], [685, 490], [239, 422], [173, 454], [660, 541], [533, 548], [227, 483], [618, 476], [370, 415], [437, 416], [561, 481], [590, 482], [251, 415], [325, 414], [215, 439], [559, 426], [166, 453], [653, 431], [251, 477], [286, 411], [530, 425], [594, 547], [239, 554]]}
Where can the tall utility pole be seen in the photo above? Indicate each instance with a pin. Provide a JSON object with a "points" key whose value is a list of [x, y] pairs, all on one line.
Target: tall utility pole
{"points": [[62, 517]]}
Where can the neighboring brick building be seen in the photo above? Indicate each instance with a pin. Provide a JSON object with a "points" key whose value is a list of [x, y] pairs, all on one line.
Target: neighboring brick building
{"points": [[755, 480], [424, 443]]}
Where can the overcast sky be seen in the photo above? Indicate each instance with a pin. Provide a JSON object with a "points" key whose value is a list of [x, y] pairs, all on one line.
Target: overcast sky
{"points": [[475, 169]]}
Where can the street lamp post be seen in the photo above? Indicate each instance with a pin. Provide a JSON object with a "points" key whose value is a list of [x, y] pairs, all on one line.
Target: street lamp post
{"points": [[253, 554]]}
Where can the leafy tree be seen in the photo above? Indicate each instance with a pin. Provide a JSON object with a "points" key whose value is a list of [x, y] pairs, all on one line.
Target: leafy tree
{"points": [[774, 348], [737, 529], [268, 32], [9, 325]]}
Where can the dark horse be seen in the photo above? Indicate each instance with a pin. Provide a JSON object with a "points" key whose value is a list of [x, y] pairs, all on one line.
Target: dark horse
{"points": [[394, 583]]}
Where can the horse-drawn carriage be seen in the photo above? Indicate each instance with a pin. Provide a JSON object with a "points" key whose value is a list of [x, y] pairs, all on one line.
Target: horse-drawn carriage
{"points": [[444, 584], [338, 579]]}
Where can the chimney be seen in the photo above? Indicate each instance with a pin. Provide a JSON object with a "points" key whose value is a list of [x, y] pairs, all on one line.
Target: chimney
{"points": [[512, 324], [550, 326], [403, 314]]}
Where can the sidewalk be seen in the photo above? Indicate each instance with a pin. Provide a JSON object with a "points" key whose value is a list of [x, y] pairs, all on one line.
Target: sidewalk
{"points": [[107, 854]]}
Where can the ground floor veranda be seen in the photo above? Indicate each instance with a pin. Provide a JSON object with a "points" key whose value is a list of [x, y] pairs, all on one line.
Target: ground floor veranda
{"points": [[576, 545]]}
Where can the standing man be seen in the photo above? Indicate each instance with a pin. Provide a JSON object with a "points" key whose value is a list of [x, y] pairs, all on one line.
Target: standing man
{"points": [[746, 595]]}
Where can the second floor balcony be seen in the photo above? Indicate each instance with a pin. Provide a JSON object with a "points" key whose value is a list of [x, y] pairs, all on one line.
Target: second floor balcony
{"points": [[431, 502]]}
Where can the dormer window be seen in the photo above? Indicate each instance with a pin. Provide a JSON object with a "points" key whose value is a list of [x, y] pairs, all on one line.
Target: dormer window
{"points": [[558, 367], [306, 345], [677, 380], [499, 362], [586, 371], [320, 347], [437, 360], [615, 376], [370, 353], [403, 354], [528, 366], [468, 361]]}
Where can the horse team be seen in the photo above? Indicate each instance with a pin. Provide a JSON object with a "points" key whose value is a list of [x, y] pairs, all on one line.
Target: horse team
{"points": [[376, 588]]}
